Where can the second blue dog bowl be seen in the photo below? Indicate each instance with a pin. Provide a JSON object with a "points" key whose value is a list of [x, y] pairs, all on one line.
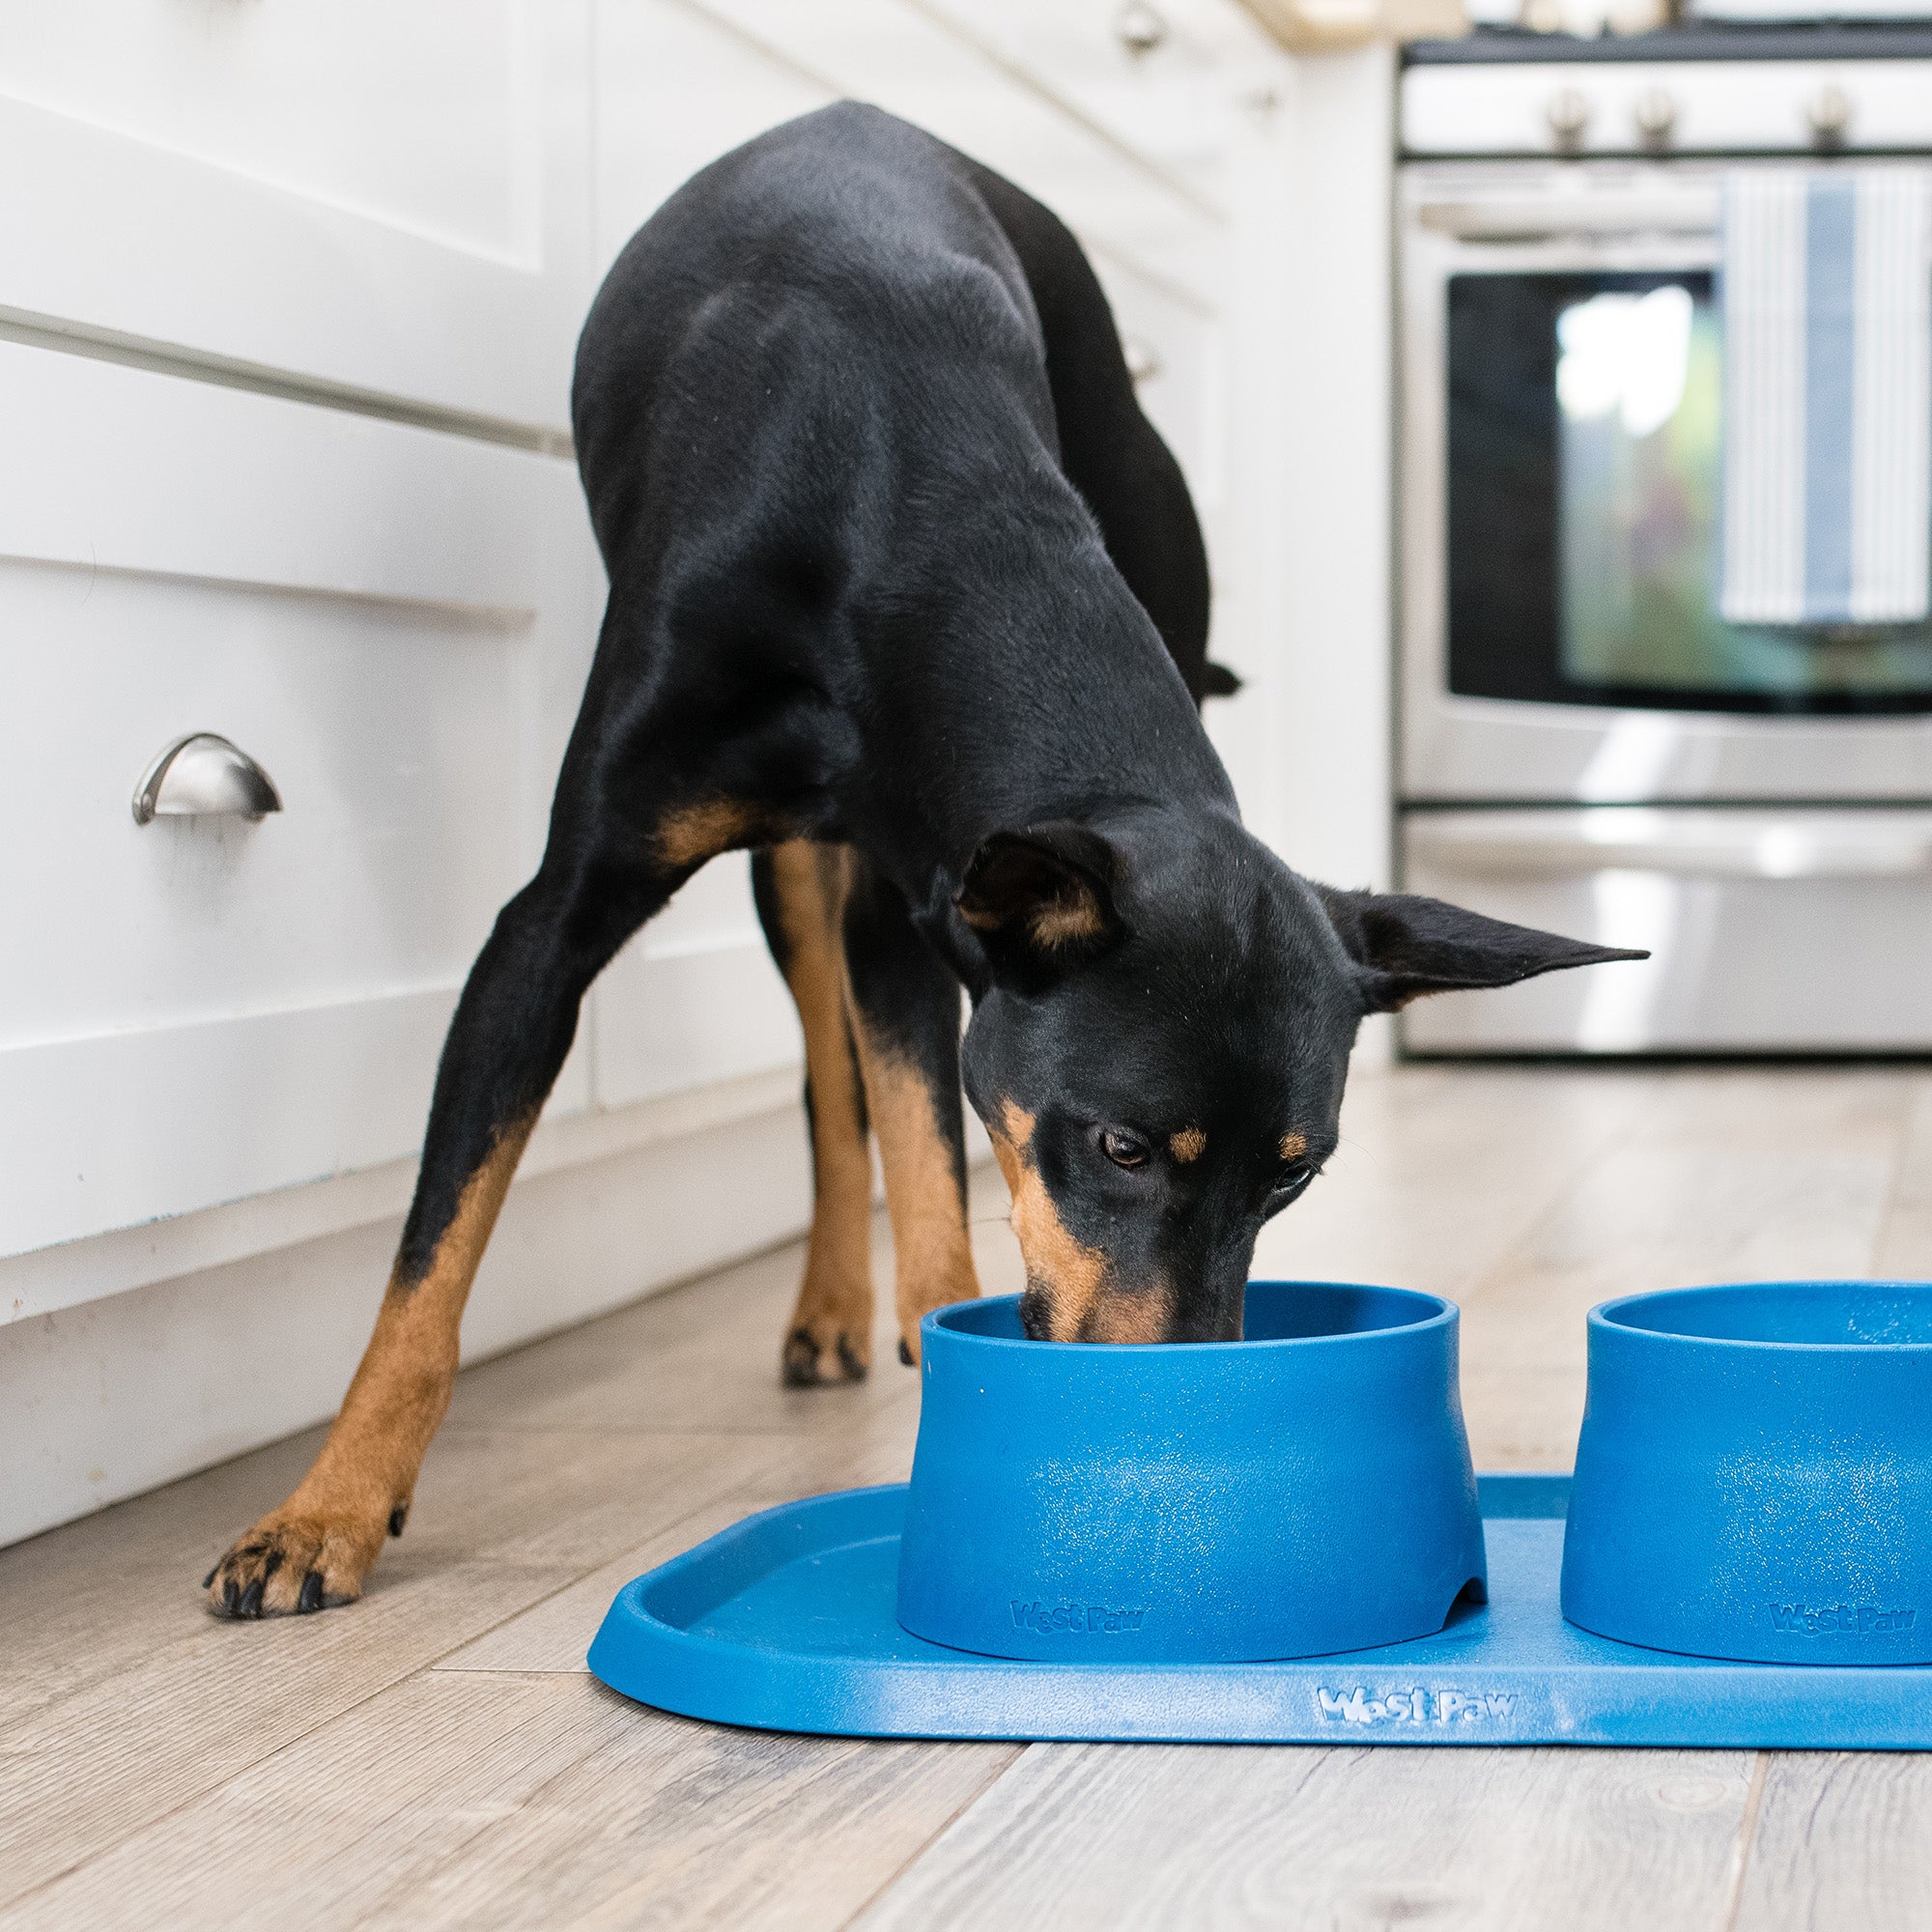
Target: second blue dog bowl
{"points": [[1754, 1475], [1303, 1490]]}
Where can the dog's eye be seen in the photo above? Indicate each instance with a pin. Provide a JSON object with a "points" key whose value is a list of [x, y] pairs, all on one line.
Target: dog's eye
{"points": [[1291, 1180], [1122, 1149]]}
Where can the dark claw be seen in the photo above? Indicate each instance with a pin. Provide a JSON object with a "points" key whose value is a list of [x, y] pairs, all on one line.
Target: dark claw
{"points": [[310, 1600], [905, 1352], [398, 1516], [250, 1604], [848, 1360], [801, 1361], [273, 1564], [207, 1581], [231, 1595]]}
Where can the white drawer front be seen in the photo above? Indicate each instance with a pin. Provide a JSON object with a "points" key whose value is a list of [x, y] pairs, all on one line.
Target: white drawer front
{"points": [[386, 729], [1162, 83], [395, 624], [680, 84], [391, 195], [674, 90]]}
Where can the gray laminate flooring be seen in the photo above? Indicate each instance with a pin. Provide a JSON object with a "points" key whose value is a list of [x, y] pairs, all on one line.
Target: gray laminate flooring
{"points": [[437, 1756]]}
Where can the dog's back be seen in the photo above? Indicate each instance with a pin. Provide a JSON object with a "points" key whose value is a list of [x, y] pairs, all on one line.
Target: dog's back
{"points": [[873, 275]]}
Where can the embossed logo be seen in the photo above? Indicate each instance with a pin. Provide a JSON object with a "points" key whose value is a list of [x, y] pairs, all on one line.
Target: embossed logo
{"points": [[1082, 1619], [1414, 1706], [1840, 1619]]}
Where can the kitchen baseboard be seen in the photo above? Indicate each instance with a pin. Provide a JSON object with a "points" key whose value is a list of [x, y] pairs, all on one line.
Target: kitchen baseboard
{"points": [[115, 1396]]}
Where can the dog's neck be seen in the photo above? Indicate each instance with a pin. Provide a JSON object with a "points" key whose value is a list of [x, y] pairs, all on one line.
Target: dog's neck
{"points": [[1038, 690]]}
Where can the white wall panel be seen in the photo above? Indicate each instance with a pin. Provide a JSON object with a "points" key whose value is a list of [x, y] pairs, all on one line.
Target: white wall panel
{"points": [[1336, 425]]}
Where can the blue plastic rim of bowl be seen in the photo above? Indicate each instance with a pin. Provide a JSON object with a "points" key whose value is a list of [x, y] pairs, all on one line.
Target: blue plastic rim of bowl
{"points": [[1754, 1475], [1304, 1491]]}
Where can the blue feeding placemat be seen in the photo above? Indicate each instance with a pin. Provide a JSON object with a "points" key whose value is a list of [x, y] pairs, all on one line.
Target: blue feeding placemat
{"points": [[786, 1622]]}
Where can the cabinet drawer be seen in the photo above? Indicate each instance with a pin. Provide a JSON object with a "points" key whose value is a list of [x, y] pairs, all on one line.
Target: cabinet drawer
{"points": [[395, 625], [1159, 80], [932, 65], [387, 729], [392, 198]]}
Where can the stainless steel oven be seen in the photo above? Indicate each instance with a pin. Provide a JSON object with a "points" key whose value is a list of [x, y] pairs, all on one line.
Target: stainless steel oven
{"points": [[1584, 744]]}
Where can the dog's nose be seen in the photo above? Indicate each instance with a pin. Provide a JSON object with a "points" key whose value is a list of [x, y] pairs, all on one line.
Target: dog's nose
{"points": [[1212, 1313], [1034, 1313]]}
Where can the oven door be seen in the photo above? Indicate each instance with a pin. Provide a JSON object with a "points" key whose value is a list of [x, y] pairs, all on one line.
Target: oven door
{"points": [[1769, 930], [1561, 446]]}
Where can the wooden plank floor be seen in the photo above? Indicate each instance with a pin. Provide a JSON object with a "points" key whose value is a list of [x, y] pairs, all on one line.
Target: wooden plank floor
{"points": [[438, 1756]]}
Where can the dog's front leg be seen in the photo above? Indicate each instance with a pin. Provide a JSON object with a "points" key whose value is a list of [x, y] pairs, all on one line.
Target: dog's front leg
{"points": [[508, 1039], [905, 1019], [801, 893], [315, 1550]]}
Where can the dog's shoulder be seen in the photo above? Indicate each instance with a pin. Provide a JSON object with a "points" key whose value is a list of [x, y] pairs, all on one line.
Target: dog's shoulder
{"points": [[838, 269]]}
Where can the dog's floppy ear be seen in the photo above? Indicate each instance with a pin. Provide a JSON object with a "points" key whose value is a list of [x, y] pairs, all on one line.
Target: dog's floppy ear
{"points": [[1404, 945], [1040, 899]]}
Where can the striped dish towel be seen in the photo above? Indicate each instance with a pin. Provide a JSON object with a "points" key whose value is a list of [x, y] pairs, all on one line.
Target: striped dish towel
{"points": [[1827, 396]]}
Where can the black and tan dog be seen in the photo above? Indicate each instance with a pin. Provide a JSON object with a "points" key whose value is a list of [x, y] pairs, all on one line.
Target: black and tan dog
{"points": [[908, 596]]}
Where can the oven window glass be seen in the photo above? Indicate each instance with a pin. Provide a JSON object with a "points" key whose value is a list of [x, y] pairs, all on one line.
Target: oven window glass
{"points": [[1586, 462]]}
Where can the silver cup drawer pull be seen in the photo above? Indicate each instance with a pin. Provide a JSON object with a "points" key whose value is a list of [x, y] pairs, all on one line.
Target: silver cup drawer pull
{"points": [[203, 775]]}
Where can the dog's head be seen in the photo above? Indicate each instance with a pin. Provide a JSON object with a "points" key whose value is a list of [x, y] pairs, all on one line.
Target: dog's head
{"points": [[1162, 1019]]}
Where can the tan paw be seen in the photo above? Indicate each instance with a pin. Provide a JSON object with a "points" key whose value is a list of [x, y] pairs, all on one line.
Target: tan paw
{"points": [[290, 1564], [823, 1354]]}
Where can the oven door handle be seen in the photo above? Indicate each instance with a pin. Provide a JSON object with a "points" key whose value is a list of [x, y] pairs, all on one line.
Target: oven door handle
{"points": [[1720, 844], [1536, 217]]}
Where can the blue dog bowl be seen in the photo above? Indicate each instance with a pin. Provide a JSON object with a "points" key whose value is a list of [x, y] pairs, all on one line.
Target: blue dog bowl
{"points": [[1304, 1491], [1754, 1475]]}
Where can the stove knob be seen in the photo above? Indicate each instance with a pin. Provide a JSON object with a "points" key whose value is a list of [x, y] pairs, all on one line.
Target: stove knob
{"points": [[1827, 114], [1656, 116], [1568, 115]]}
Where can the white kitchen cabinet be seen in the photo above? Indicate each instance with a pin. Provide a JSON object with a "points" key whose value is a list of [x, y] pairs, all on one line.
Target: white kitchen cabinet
{"points": [[694, 996], [1160, 82], [389, 198], [289, 293], [1119, 194], [1128, 151], [676, 88], [394, 622]]}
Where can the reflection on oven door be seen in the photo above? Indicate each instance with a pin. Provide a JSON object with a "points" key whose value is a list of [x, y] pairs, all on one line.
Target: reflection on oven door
{"points": [[1769, 930]]}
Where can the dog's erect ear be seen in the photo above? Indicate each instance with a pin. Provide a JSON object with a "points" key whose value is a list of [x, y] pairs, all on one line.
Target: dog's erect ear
{"points": [[1405, 945], [1040, 899]]}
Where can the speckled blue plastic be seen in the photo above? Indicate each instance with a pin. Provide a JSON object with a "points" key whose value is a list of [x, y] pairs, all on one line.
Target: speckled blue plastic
{"points": [[1754, 1475], [1303, 1490], [785, 1622]]}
